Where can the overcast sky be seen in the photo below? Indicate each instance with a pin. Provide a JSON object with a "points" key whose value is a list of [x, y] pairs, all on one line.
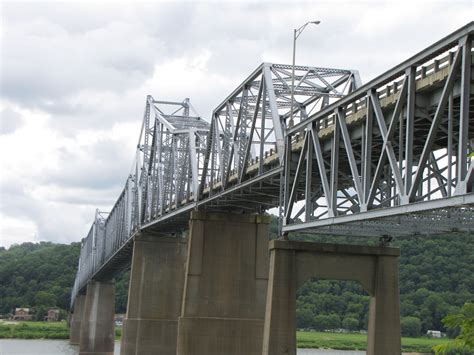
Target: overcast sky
{"points": [[74, 78]]}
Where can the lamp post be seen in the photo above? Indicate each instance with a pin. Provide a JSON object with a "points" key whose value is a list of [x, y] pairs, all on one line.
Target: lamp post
{"points": [[297, 32]]}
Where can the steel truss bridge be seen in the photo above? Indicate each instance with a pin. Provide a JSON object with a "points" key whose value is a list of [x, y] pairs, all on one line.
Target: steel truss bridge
{"points": [[392, 157]]}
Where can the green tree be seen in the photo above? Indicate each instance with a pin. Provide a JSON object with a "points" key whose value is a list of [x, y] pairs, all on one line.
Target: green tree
{"points": [[464, 342], [40, 313], [304, 318], [350, 323], [327, 321], [44, 298], [411, 326]]}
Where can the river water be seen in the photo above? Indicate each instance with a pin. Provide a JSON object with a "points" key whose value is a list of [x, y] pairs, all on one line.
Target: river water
{"points": [[61, 347]]}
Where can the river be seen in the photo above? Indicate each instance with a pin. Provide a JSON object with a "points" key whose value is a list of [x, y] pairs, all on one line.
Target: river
{"points": [[62, 347]]}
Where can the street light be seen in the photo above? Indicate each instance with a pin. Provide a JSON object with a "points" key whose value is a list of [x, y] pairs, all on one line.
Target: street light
{"points": [[297, 32]]}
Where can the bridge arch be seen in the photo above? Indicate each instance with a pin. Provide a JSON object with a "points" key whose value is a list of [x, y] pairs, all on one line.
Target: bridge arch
{"points": [[293, 263]]}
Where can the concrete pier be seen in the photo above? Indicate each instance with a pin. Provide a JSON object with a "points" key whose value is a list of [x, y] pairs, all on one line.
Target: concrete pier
{"points": [[155, 294], [384, 312], [293, 263], [76, 320], [225, 287], [97, 326]]}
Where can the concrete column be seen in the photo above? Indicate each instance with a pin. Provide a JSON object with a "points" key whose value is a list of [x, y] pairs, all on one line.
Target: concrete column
{"points": [[76, 319], [384, 333], [97, 327], [279, 336], [225, 287], [155, 294]]}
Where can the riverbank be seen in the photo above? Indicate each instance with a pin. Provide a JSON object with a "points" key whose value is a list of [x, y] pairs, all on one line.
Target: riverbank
{"points": [[34, 330], [308, 340], [38, 330], [356, 341]]}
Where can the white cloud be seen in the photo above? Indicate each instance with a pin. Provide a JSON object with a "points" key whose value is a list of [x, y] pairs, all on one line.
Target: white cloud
{"points": [[16, 231], [74, 78], [53, 183]]}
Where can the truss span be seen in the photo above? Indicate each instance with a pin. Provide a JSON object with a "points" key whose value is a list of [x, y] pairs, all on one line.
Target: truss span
{"points": [[391, 157]]}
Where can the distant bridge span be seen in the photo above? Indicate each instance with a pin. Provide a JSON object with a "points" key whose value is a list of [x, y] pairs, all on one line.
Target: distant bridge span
{"points": [[389, 158]]}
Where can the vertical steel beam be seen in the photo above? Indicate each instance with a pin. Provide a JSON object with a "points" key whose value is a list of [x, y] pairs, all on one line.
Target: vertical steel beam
{"points": [[219, 148], [285, 181], [350, 154], [277, 125], [262, 129], [367, 156], [334, 170], [208, 159], [410, 122], [450, 144], [173, 167], [252, 130], [234, 151], [193, 162], [309, 175], [464, 111], [321, 167], [299, 168]]}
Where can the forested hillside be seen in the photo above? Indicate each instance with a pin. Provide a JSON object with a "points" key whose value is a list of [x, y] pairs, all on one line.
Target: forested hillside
{"points": [[436, 279], [37, 275]]}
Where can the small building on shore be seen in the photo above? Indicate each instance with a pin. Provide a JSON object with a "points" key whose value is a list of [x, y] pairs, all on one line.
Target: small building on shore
{"points": [[52, 316], [22, 314], [434, 333]]}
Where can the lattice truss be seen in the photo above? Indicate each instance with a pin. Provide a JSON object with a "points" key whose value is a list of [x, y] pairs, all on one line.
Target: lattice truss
{"points": [[172, 146], [391, 158], [247, 128]]}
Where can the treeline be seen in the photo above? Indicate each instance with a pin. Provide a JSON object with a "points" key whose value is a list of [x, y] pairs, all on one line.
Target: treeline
{"points": [[37, 275], [436, 279]]}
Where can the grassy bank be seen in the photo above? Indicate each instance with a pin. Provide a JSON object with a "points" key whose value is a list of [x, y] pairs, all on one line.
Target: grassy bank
{"points": [[34, 330], [59, 330], [38, 330], [357, 341]]}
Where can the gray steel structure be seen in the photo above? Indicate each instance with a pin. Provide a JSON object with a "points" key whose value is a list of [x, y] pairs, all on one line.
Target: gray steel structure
{"points": [[392, 157]]}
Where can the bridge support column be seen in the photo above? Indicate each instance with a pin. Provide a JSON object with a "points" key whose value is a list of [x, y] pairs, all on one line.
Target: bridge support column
{"points": [[97, 327], [155, 294], [384, 311], [76, 320], [225, 288], [293, 263]]}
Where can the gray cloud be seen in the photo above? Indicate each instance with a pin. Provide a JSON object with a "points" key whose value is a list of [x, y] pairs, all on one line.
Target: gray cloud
{"points": [[54, 64], [102, 165], [10, 121]]}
